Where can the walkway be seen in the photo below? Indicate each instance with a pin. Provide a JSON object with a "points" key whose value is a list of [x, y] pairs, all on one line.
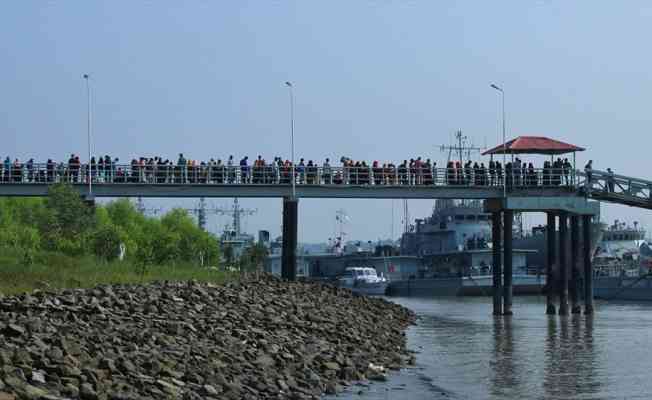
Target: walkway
{"points": [[272, 181]]}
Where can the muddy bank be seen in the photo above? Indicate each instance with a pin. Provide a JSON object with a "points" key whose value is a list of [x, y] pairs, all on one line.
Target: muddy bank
{"points": [[253, 340]]}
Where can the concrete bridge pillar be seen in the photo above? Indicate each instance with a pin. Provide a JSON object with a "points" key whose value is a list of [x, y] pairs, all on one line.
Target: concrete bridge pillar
{"points": [[563, 263], [550, 262], [588, 266], [508, 220], [574, 288], [497, 268], [290, 226]]}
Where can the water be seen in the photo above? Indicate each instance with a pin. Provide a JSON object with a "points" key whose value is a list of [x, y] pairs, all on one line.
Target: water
{"points": [[466, 353]]}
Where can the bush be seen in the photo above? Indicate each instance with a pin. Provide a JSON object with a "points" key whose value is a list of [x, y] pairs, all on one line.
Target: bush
{"points": [[106, 242]]}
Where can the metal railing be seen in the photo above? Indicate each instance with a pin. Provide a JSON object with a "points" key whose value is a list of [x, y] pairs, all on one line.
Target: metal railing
{"points": [[125, 174], [609, 186]]}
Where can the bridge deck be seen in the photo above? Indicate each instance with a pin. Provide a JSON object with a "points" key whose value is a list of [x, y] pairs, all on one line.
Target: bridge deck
{"points": [[283, 190], [326, 182]]}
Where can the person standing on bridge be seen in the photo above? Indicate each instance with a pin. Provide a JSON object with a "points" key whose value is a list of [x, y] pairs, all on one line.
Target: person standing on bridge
{"points": [[611, 181], [230, 170], [182, 164], [244, 170], [7, 168], [588, 170], [326, 172], [567, 171]]}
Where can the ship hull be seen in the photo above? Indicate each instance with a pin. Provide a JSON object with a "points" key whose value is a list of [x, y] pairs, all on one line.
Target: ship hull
{"points": [[467, 286], [630, 289], [368, 289]]}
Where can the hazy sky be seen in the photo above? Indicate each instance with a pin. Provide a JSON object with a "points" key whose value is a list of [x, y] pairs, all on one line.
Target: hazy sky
{"points": [[383, 80]]}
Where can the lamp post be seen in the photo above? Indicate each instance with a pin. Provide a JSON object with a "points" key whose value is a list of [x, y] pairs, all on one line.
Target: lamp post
{"points": [[502, 96], [88, 129], [290, 87]]}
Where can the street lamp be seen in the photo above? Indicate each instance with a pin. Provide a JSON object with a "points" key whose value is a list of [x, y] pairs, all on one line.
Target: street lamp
{"points": [[290, 87], [502, 96], [88, 128]]}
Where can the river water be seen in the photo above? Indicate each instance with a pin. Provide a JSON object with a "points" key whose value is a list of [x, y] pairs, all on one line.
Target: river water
{"points": [[466, 353]]}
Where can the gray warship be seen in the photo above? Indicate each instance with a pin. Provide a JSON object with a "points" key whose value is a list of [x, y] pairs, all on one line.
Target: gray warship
{"points": [[623, 264], [454, 247]]}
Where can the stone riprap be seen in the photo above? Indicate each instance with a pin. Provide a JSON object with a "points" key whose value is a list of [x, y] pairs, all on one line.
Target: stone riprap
{"points": [[262, 339]]}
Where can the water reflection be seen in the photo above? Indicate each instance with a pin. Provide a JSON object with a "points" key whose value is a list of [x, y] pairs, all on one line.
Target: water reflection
{"points": [[504, 375], [569, 365], [466, 353]]}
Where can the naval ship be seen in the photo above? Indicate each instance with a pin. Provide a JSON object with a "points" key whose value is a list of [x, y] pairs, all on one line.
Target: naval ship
{"points": [[455, 249], [622, 264]]}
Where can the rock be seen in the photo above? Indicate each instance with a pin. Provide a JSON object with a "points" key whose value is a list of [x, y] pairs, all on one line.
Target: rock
{"points": [[127, 366], [14, 382], [86, 392], [210, 390], [38, 377], [31, 392], [70, 390], [167, 387], [331, 366], [333, 388], [22, 357], [68, 371], [5, 357], [243, 340], [55, 354], [377, 376], [14, 330], [265, 361]]}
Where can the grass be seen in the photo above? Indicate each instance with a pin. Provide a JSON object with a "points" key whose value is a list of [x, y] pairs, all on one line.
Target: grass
{"points": [[58, 271]]}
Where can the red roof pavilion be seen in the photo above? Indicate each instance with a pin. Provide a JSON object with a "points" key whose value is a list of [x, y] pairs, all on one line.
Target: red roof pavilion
{"points": [[534, 145]]}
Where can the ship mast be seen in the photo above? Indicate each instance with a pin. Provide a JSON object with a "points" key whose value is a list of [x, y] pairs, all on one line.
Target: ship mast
{"points": [[461, 149], [236, 212]]}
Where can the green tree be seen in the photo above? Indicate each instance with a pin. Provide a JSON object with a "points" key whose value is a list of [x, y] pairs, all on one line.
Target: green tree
{"points": [[106, 242], [66, 221]]}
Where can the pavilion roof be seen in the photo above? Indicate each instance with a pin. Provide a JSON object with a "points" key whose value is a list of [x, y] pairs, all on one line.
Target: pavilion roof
{"points": [[534, 145]]}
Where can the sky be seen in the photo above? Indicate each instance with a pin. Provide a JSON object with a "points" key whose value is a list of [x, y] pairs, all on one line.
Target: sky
{"points": [[373, 80]]}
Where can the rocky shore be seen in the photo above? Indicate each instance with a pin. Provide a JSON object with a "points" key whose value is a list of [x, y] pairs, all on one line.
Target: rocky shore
{"points": [[262, 339]]}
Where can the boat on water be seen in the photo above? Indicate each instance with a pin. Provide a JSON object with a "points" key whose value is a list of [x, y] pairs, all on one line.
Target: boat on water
{"points": [[363, 280], [622, 264]]}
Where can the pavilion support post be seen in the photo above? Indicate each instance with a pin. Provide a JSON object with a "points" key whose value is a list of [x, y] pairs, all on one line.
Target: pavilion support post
{"points": [[588, 267], [550, 262], [574, 288], [508, 218], [497, 263], [563, 263]]}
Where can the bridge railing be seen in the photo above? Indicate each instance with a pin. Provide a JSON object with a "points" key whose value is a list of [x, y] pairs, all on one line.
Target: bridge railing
{"points": [[126, 174], [608, 185]]}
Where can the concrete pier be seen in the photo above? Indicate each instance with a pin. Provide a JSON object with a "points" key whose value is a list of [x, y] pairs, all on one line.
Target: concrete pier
{"points": [[574, 284], [290, 226], [563, 263], [508, 221], [550, 262], [588, 266], [497, 263]]}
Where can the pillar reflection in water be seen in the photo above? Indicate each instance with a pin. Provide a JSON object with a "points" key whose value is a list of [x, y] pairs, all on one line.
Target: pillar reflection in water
{"points": [[569, 358], [505, 380]]}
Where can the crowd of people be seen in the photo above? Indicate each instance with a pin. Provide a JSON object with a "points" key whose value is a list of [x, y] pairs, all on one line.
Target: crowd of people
{"points": [[416, 171]]}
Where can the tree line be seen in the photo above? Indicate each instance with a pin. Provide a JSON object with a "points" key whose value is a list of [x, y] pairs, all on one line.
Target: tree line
{"points": [[63, 222]]}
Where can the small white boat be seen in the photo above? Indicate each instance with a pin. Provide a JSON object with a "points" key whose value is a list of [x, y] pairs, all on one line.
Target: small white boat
{"points": [[364, 280]]}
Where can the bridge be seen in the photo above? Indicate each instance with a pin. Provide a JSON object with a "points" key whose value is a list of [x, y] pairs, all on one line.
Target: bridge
{"points": [[568, 196]]}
